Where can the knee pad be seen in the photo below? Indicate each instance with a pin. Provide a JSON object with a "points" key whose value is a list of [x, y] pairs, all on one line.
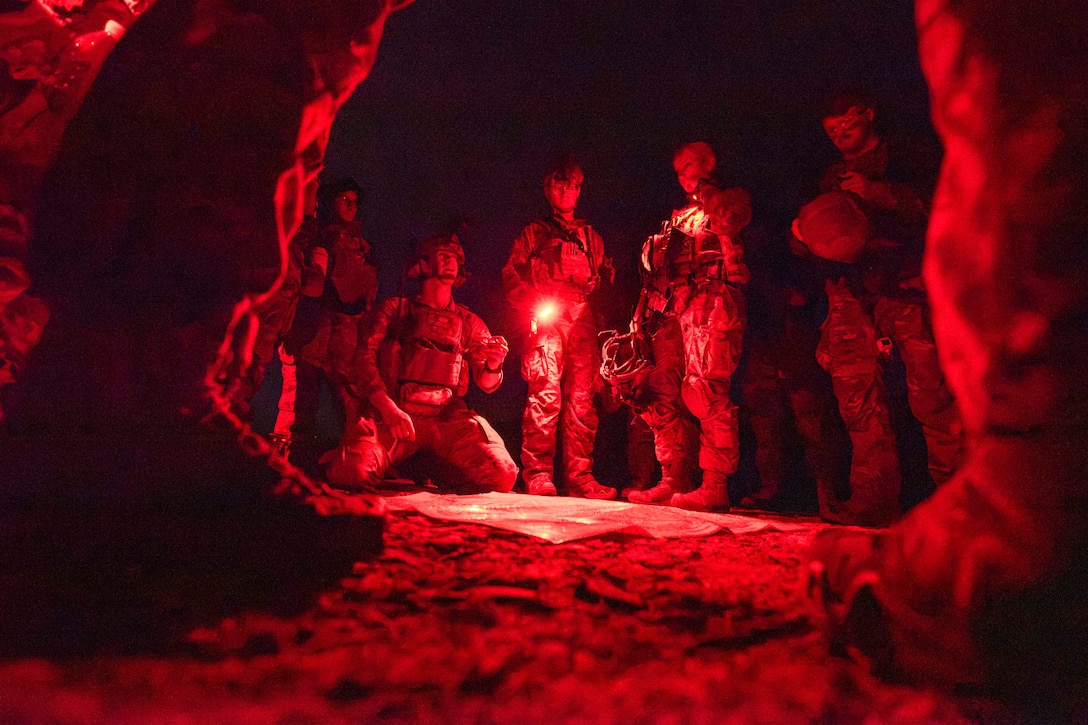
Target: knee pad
{"points": [[359, 465], [704, 398]]}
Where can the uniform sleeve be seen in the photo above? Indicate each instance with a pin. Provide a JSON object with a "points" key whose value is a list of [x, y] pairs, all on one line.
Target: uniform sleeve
{"points": [[830, 180], [736, 270], [476, 333], [370, 272], [371, 293], [907, 206], [516, 284], [374, 329], [730, 211], [606, 271]]}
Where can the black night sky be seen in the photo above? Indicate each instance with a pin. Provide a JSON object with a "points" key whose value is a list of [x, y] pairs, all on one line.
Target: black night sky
{"points": [[469, 99]]}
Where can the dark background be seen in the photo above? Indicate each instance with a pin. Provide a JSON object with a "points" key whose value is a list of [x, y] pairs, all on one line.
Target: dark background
{"points": [[469, 99]]}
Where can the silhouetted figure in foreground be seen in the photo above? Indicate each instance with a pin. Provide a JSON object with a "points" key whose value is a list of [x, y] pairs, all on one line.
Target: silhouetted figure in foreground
{"points": [[986, 582]]}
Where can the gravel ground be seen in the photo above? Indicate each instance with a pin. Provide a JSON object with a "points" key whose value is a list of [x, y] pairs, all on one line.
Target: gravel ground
{"points": [[466, 623]]}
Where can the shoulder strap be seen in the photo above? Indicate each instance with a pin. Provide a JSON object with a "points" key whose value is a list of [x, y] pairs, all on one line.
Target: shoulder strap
{"points": [[568, 234], [587, 231]]}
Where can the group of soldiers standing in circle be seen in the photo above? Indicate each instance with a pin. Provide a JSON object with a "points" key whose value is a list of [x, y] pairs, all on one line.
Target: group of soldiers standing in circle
{"points": [[400, 368]]}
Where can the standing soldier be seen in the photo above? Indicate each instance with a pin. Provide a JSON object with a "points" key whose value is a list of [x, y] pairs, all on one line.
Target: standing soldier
{"points": [[785, 391], [867, 229], [556, 262], [693, 306], [412, 369], [984, 584], [894, 285], [322, 340]]}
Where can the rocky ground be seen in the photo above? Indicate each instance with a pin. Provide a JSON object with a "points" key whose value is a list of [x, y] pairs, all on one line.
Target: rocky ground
{"points": [[457, 622]]}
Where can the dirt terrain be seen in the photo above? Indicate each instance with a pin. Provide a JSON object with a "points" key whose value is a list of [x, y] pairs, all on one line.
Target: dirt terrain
{"points": [[458, 622]]}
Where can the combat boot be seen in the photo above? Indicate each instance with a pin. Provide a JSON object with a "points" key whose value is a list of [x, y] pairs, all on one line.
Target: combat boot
{"points": [[713, 495], [981, 584], [540, 485], [660, 494], [590, 488]]}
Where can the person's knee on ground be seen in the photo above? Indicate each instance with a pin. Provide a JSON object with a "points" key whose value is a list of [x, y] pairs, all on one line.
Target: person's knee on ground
{"points": [[357, 467]]}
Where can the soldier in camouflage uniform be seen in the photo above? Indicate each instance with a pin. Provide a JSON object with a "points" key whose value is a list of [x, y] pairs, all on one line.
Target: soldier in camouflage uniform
{"points": [[412, 370], [556, 263], [692, 305], [879, 295]]}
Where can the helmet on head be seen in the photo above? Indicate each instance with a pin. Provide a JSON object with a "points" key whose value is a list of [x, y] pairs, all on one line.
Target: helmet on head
{"points": [[834, 227], [626, 359], [427, 252]]}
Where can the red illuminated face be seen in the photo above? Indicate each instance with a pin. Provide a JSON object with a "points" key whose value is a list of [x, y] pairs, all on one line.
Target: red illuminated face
{"points": [[446, 265], [345, 205], [852, 132], [691, 168], [563, 194]]}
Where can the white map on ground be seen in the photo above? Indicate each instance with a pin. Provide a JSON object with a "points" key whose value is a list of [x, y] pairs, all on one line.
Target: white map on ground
{"points": [[562, 519]]}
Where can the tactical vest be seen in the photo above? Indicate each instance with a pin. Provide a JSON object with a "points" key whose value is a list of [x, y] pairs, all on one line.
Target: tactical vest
{"points": [[352, 278], [431, 360], [563, 258], [687, 250]]}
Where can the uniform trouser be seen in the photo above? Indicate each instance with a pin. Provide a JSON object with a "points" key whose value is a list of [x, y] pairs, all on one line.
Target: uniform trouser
{"points": [[783, 388], [641, 461], [459, 437], [288, 400], [906, 322], [848, 351], [660, 404], [274, 317], [300, 398], [562, 368], [712, 324], [327, 357]]}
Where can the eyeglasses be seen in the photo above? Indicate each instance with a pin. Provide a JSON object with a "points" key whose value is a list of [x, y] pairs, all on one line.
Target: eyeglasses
{"points": [[846, 122], [347, 199], [562, 186]]}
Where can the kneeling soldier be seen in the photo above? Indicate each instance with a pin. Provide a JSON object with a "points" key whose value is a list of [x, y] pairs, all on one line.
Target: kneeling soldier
{"points": [[413, 364]]}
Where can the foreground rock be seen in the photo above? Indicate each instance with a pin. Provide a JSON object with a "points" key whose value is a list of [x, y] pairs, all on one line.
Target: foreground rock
{"points": [[135, 501]]}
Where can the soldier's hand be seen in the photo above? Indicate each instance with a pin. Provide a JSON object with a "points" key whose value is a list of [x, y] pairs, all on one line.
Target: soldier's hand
{"points": [[398, 422], [495, 350], [876, 192]]}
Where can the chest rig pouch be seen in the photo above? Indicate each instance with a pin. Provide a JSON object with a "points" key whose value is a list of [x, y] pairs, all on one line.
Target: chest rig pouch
{"points": [[350, 275], [563, 257], [709, 262], [432, 360], [677, 255]]}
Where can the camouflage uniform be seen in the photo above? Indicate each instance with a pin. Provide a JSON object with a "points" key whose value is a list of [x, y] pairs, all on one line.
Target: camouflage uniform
{"points": [[695, 312], [983, 584], [324, 335], [559, 264], [418, 354], [881, 296], [785, 392]]}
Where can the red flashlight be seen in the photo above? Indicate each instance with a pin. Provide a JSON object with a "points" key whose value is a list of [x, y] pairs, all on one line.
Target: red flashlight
{"points": [[544, 312]]}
